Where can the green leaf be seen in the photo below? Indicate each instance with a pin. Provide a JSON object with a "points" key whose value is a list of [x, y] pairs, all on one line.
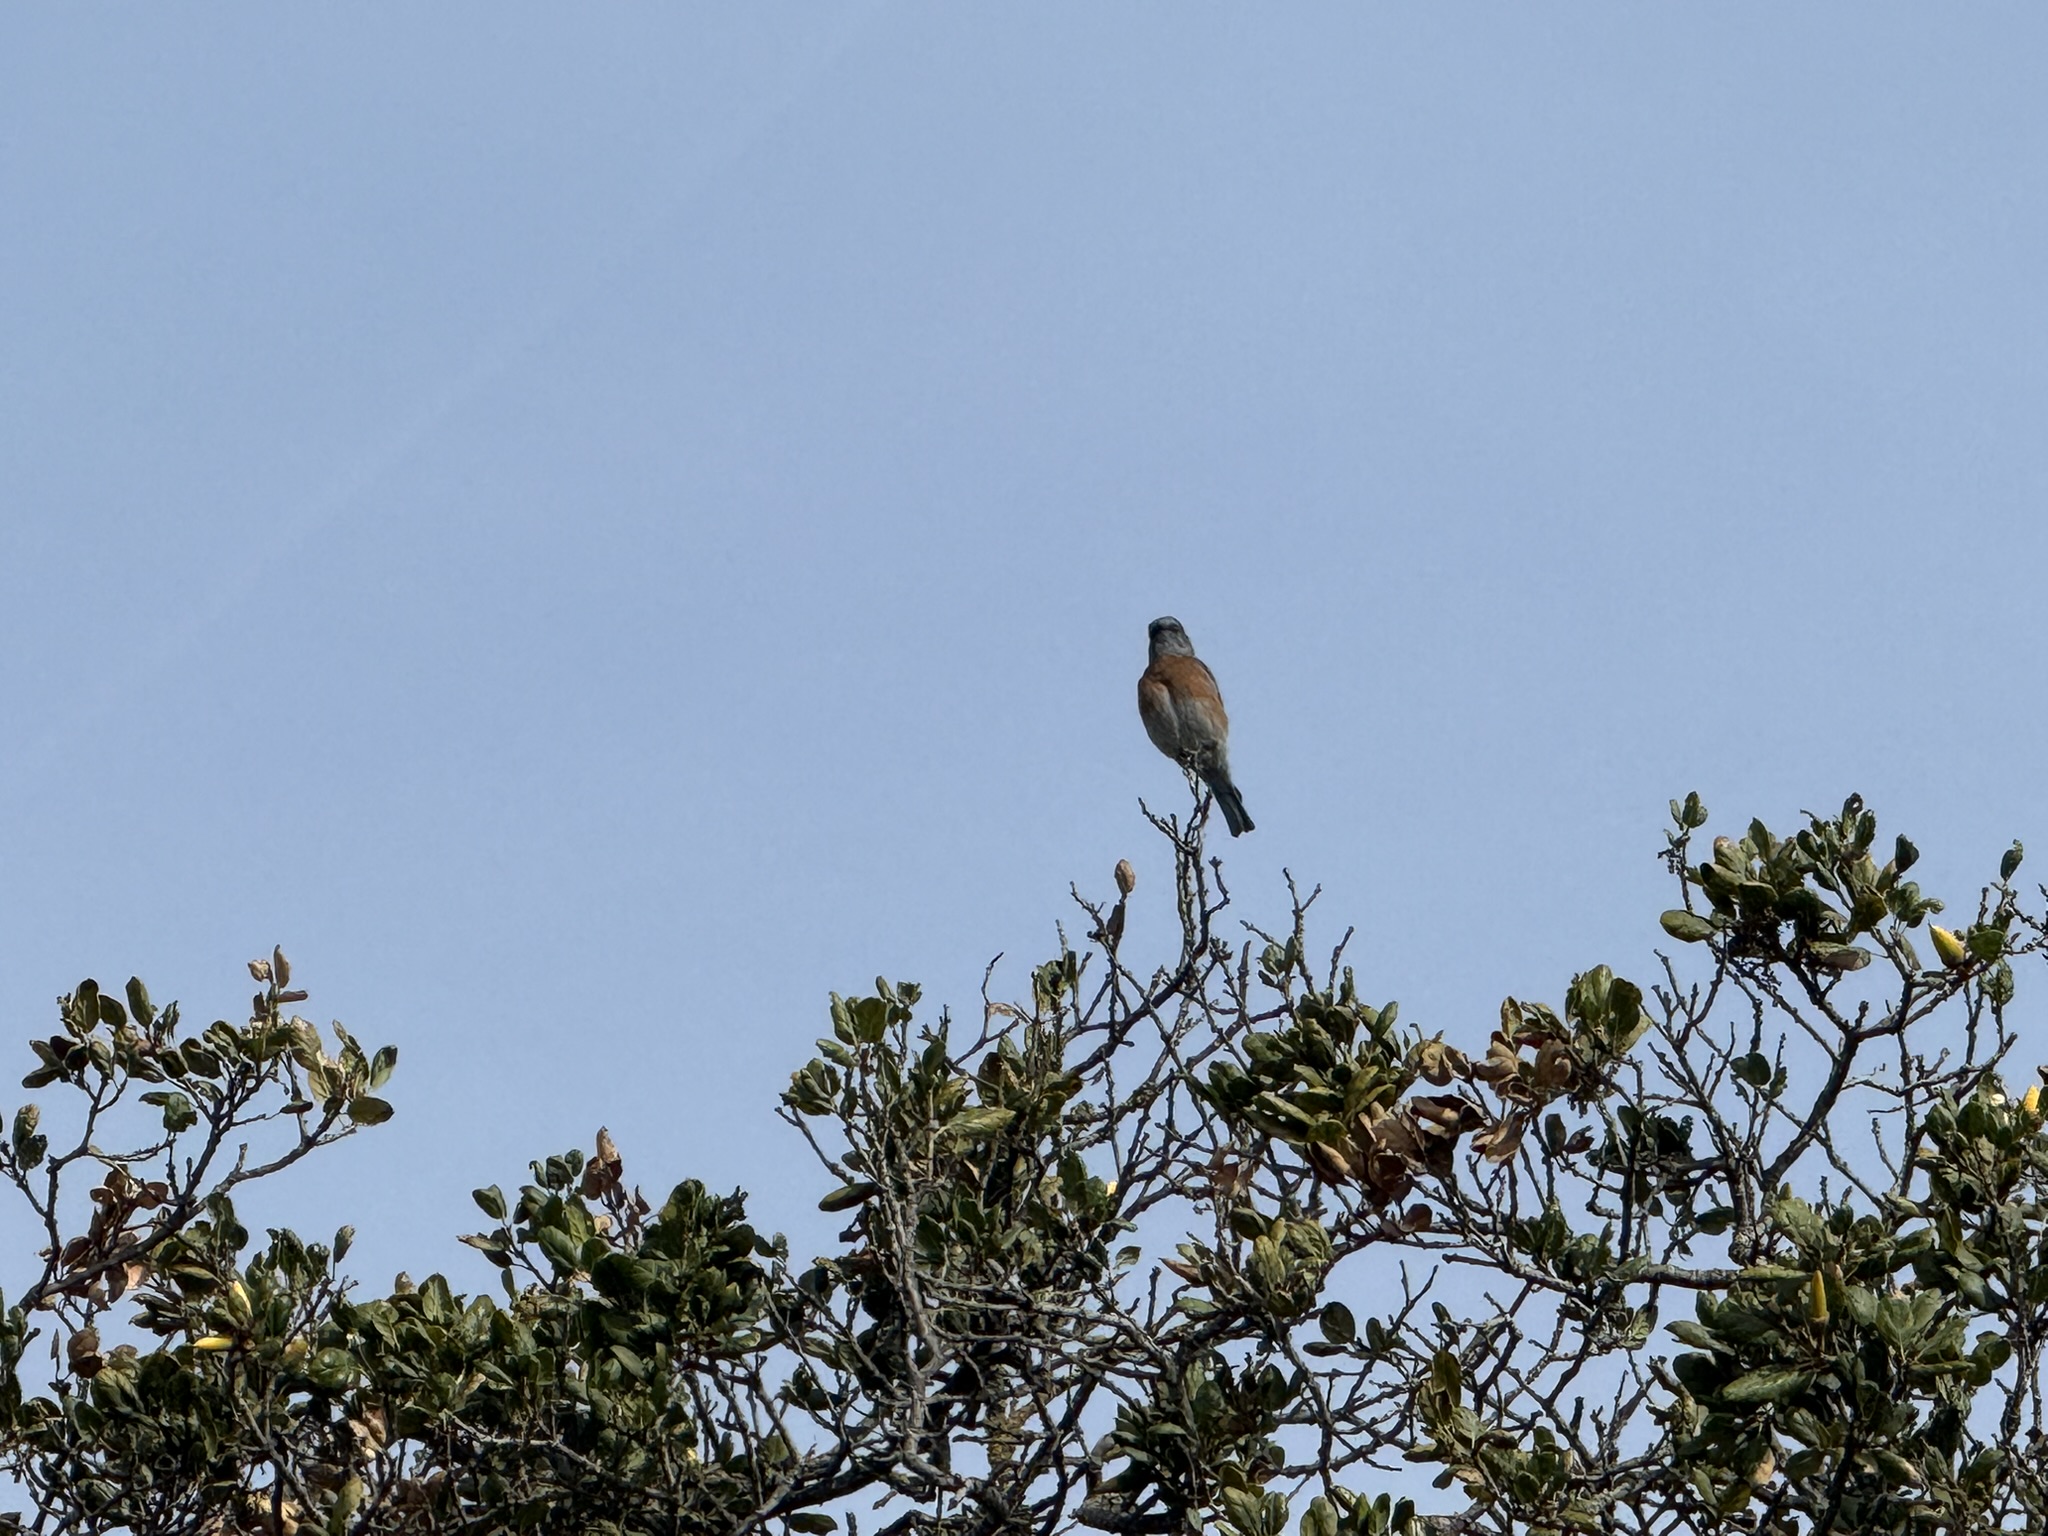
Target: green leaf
{"points": [[811, 1523], [560, 1247], [490, 1200], [322, 1084], [1337, 1323], [1244, 1510], [1445, 1373], [978, 1124], [1837, 957], [1993, 1349], [489, 1246], [333, 1370], [1686, 927], [1998, 984], [145, 1011], [847, 1196], [1770, 1384], [178, 1112], [29, 1148], [870, 1020], [369, 1111], [1754, 1069], [2010, 864], [381, 1065], [84, 1013]]}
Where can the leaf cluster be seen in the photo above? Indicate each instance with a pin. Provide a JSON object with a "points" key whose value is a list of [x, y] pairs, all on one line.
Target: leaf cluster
{"points": [[1216, 1244]]}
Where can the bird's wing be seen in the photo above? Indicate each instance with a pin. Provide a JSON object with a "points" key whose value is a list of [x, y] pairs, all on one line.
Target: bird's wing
{"points": [[1155, 708]]}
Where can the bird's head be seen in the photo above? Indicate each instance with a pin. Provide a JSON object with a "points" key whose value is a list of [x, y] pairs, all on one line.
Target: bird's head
{"points": [[1169, 639]]}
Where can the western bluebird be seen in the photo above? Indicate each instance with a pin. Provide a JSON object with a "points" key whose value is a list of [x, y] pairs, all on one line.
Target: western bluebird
{"points": [[1183, 713]]}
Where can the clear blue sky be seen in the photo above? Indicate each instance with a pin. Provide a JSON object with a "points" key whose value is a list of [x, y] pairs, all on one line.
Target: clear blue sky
{"points": [[596, 528]]}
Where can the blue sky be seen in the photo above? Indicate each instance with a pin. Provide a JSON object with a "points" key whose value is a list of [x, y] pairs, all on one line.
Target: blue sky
{"points": [[594, 530]]}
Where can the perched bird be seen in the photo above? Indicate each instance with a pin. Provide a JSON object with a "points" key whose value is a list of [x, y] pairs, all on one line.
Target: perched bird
{"points": [[1183, 713]]}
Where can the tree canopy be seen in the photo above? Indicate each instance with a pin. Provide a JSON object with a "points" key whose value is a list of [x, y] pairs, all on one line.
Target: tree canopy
{"points": [[1212, 1239]]}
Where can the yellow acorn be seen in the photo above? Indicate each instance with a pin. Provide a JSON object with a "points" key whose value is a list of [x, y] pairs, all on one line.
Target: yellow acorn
{"points": [[1817, 1298], [1950, 948], [214, 1341], [2032, 1102], [295, 1351]]}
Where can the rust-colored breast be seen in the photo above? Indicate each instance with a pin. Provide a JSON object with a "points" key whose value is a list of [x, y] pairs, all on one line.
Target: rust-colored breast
{"points": [[1196, 698]]}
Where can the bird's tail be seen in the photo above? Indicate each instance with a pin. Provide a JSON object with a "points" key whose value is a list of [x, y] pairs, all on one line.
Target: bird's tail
{"points": [[1230, 802]]}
